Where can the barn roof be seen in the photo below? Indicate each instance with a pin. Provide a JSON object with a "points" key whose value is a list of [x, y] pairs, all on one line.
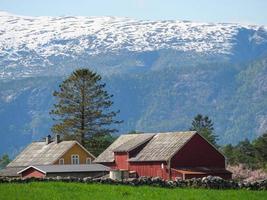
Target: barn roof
{"points": [[40, 153], [134, 142], [10, 171], [123, 143], [68, 168], [160, 146], [163, 146]]}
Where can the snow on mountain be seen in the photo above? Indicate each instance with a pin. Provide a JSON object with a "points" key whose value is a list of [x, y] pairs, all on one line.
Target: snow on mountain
{"points": [[165, 70], [31, 41], [55, 35]]}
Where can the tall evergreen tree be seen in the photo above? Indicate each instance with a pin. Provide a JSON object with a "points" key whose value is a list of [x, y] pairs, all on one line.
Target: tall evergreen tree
{"points": [[260, 145], [246, 153], [204, 126], [82, 111], [230, 153]]}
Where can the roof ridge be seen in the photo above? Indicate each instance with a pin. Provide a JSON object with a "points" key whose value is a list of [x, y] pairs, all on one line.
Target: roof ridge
{"points": [[41, 153], [167, 149], [132, 142]]}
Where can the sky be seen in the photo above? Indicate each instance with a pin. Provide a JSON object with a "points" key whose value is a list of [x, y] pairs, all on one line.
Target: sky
{"points": [[241, 11]]}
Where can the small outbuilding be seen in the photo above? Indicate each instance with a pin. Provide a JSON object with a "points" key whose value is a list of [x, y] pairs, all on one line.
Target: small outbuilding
{"points": [[42, 171], [167, 155]]}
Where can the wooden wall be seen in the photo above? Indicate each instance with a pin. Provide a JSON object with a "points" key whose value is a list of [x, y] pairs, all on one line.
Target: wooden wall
{"points": [[31, 172], [198, 153], [76, 149], [150, 169], [121, 160]]}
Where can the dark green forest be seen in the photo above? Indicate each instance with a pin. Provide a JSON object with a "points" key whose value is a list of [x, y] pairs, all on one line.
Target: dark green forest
{"points": [[164, 97]]}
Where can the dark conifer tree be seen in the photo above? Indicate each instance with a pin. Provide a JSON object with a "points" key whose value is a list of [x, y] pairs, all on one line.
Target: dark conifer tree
{"points": [[83, 109], [204, 126], [260, 145]]}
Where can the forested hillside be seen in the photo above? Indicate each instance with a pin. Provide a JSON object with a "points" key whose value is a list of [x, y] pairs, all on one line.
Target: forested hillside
{"points": [[234, 96], [162, 73]]}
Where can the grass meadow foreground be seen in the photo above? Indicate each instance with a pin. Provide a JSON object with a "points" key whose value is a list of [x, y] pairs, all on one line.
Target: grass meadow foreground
{"points": [[73, 191]]}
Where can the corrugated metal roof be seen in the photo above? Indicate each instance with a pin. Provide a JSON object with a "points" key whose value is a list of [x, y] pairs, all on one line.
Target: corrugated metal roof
{"points": [[163, 146], [108, 154], [10, 171], [133, 143], [69, 168], [160, 147], [40, 153]]}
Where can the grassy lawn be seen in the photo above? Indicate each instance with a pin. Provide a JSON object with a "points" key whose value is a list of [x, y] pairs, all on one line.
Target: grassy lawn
{"points": [[73, 191]]}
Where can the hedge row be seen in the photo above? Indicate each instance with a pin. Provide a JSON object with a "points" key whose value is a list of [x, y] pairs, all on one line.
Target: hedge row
{"points": [[210, 182]]}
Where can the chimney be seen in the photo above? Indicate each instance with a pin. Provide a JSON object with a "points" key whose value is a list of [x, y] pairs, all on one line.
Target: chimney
{"points": [[57, 138], [48, 139]]}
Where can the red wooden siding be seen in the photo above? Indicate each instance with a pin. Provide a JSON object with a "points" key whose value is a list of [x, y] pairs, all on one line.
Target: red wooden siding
{"points": [[198, 153], [150, 169], [121, 160], [31, 172]]}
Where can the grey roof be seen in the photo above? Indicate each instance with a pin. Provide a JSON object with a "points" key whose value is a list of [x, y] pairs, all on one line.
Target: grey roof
{"points": [[134, 142], [10, 171], [163, 146], [69, 168], [123, 142], [40, 153]]}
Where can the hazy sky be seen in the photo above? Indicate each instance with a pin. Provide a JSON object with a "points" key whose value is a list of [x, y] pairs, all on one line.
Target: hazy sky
{"points": [[244, 11]]}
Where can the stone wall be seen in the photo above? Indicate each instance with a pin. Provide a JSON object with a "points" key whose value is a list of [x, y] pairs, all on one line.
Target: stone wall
{"points": [[210, 182]]}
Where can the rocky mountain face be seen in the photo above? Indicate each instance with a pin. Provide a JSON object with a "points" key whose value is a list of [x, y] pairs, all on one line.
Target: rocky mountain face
{"points": [[161, 73]]}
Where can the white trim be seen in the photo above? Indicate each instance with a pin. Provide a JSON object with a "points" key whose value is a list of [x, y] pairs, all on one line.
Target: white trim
{"points": [[61, 159], [76, 157], [74, 142], [85, 149], [54, 161], [29, 168], [88, 159]]}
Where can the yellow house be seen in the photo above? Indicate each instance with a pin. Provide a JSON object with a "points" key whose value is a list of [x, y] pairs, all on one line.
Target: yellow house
{"points": [[50, 152]]}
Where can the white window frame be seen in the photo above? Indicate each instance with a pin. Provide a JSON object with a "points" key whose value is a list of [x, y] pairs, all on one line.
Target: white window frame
{"points": [[75, 159], [88, 160], [61, 161]]}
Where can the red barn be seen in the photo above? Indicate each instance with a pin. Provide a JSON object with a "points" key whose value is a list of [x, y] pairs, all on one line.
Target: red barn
{"points": [[168, 155]]}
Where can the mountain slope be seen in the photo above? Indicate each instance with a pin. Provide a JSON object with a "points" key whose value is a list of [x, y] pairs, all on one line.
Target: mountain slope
{"points": [[161, 73], [30, 46]]}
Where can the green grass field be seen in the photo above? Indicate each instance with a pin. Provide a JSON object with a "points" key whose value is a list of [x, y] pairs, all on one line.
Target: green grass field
{"points": [[73, 191]]}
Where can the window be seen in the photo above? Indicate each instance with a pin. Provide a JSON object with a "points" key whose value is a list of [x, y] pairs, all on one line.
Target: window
{"points": [[88, 160], [75, 159], [61, 161]]}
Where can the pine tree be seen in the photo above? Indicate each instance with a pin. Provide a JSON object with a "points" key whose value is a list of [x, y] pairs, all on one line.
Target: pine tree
{"points": [[82, 111], [230, 153], [204, 126], [260, 145]]}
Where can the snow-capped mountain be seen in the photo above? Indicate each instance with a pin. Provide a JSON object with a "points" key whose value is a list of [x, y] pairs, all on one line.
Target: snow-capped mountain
{"points": [[161, 73], [97, 34], [33, 41]]}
